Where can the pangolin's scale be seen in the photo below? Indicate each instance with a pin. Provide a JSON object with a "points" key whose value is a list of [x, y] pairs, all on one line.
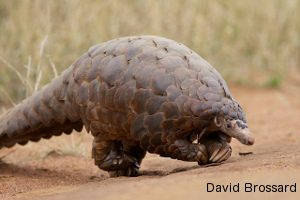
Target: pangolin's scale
{"points": [[145, 89]]}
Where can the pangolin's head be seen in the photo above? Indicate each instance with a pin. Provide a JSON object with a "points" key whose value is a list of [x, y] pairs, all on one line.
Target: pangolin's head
{"points": [[235, 128]]}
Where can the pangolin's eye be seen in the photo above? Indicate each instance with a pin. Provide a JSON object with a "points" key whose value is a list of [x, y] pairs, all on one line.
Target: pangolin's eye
{"points": [[228, 125]]}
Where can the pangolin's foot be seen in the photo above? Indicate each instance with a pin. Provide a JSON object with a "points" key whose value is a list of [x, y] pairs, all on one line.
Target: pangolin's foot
{"points": [[218, 148], [118, 158], [187, 151], [120, 165], [129, 171]]}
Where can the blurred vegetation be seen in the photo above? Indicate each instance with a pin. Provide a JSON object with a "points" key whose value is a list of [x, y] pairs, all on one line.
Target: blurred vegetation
{"points": [[249, 42]]}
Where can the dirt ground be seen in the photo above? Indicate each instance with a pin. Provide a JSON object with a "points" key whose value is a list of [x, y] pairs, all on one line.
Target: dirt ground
{"points": [[61, 168]]}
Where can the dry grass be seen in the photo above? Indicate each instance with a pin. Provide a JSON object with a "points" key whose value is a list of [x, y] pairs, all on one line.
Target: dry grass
{"points": [[246, 40]]}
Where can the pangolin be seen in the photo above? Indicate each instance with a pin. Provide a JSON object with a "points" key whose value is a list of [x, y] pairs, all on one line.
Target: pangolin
{"points": [[135, 95]]}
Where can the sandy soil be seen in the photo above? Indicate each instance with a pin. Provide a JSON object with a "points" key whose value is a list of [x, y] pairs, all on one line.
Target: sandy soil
{"points": [[61, 168]]}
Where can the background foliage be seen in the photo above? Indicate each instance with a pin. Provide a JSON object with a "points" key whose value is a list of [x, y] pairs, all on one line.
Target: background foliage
{"points": [[249, 42]]}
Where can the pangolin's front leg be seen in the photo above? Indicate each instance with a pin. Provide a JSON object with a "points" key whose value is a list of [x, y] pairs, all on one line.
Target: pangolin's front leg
{"points": [[179, 148], [185, 150], [212, 148]]}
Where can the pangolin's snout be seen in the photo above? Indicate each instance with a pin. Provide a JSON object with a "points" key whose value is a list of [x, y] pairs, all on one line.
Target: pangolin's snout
{"points": [[245, 137]]}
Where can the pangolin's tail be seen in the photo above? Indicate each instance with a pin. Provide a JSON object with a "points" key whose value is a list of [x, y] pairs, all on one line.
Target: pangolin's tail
{"points": [[46, 113]]}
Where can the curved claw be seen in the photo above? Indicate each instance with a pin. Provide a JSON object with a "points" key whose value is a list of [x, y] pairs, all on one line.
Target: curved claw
{"points": [[202, 156], [221, 155], [215, 148], [218, 148]]}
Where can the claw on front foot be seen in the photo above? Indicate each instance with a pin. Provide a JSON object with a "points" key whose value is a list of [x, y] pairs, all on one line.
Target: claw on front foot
{"points": [[220, 155], [218, 151], [217, 146], [202, 156]]}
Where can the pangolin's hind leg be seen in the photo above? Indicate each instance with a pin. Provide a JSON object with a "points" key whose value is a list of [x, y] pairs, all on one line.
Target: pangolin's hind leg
{"points": [[111, 156], [133, 153], [134, 150], [217, 146]]}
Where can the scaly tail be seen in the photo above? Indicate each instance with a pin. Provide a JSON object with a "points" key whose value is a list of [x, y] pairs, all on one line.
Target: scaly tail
{"points": [[48, 112]]}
